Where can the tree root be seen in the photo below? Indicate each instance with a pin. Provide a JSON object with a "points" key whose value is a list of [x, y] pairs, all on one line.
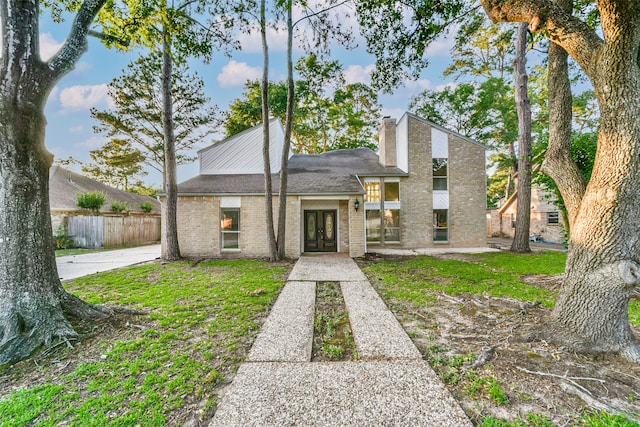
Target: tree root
{"points": [[23, 332], [612, 407], [631, 352], [26, 325]]}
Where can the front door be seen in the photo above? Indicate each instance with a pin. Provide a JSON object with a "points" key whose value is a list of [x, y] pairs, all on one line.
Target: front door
{"points": [[320, 231]]}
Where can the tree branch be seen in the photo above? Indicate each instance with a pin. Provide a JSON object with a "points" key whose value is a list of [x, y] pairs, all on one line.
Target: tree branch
{"points": [[76, 43], [558, 162], [574, 35], [108, 38]]}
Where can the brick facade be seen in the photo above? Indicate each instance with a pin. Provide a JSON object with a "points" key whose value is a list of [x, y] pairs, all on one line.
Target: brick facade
{"points": [[467, 191], [499, 222], [406, 147]]}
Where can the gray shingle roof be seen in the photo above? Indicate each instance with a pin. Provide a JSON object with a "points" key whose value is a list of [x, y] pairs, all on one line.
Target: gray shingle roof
{"points": [[65, 185], [334, 172]]}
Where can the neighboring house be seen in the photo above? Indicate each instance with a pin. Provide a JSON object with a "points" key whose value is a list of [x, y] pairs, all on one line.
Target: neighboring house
{"points": [[426, 188], [546, 218], [119, 230]]}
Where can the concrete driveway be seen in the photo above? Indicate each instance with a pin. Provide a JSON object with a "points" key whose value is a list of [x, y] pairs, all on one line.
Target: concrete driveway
{"points": [[73, 266]]}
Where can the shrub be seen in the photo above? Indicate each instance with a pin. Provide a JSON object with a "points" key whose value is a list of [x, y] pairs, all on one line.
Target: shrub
{"points": [[146, 207], [92, 200], [62, 239], [118, 206]]}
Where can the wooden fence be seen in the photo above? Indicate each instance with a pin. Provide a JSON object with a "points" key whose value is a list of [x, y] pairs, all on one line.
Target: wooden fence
{"points": [[112, 231]]}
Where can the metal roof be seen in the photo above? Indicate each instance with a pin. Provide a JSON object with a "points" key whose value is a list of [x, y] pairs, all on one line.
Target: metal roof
{"points": [[242, 153]]}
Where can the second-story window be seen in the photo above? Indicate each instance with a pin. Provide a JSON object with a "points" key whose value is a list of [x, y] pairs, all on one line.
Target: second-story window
{"points": [[440, 174]]}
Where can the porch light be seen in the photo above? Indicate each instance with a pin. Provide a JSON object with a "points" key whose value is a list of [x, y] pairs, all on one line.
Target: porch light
{"points": [[356, 204]]}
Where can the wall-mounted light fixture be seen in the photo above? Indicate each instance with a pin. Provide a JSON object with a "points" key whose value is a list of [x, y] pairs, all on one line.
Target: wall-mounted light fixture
{"points": [[356, 204]]}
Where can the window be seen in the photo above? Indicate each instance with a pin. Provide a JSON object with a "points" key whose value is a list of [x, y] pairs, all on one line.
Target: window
{"points": [[391, 191], [440, 174], [440, 225], [373, 225], [382, 210], [553, 218], [230, 228], [392, 225], [373, 191]]}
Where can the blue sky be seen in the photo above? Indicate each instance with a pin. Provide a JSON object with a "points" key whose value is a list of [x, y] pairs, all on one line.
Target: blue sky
{"points": [[69, 128]]}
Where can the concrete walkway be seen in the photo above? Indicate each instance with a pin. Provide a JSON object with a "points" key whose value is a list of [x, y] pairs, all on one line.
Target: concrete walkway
{"points": [[389, 385], [73, 266]]}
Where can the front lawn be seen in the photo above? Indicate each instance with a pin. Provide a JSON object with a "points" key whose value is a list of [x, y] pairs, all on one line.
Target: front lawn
{"points": [[475, 317], [162, 368]]}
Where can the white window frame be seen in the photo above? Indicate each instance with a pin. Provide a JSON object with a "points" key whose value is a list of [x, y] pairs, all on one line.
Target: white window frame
{"points": [[224, 232], [435, 227]]}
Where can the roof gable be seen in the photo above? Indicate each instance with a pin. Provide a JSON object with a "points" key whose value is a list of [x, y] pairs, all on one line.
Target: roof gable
{"points": [[242, 153], [444, 129]]}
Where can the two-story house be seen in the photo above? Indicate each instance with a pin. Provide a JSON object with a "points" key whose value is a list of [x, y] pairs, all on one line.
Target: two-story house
{"points": [[426, 187]]}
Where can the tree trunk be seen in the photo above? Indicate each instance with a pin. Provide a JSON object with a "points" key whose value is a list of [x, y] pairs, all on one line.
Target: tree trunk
{"points": [[591, 313], [33, 302], [32, 299], [513, 168], [603, 264], [284, 164], [171, 247], [558, 162], [523, 216], [268, 190]]}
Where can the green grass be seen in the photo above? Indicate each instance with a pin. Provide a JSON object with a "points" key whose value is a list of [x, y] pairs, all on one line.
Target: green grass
{"points": [[587, 419], [200, 321], [419, 279]]}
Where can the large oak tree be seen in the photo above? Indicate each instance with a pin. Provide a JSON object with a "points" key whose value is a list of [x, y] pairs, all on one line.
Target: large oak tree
{"points": [[33, 303], [603, 264]]}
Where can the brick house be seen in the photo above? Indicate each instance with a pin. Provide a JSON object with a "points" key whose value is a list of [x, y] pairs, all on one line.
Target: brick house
{"points": [[546, 219], [425, 188]]}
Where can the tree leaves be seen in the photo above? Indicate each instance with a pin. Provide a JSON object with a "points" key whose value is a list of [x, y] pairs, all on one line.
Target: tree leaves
{"points": [[137, 114], [328, 113]]}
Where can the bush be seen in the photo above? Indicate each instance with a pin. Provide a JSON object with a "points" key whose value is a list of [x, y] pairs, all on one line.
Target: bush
{"points": [[92, 200], [146, 207], [62, 239], [118, 206]]}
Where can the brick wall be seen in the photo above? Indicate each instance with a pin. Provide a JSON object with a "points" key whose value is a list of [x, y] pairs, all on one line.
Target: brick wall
{"points": [[356, 228], [416, 190], [199, 227], [467, 194], [467, 191], [541, 205]]}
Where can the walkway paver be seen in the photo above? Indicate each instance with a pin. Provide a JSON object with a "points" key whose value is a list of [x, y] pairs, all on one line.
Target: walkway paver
{"points": [[287, 334], [376, 331], [390, 384]]}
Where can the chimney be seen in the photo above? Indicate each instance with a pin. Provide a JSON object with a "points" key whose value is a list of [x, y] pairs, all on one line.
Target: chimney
{"points": [[387, 143]]}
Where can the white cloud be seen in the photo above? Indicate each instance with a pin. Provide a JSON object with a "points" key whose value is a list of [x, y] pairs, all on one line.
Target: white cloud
{"points": [[251, 41], [359, 74], [91, 143], [76, 129], [48, 46], [442, 45], [418, 85], [395, 113], [84, 97], [237, 73], [82, 68]]}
